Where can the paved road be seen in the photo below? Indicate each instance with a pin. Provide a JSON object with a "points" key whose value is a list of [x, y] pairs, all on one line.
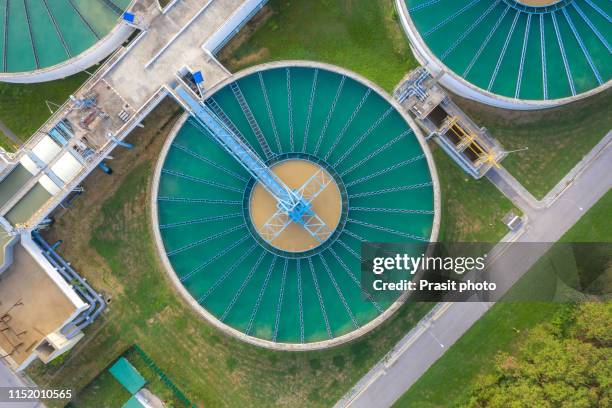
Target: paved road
{"points": [[416, 352], [523, 199], [9, 133], [10, 379]]}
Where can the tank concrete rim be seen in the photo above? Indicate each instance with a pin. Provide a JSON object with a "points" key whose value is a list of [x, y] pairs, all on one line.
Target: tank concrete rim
{"points": [[67, 67], [212, 319]]}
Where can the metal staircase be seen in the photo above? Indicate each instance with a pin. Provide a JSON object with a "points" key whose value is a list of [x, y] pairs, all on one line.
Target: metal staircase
{"points": [[246, 109]]}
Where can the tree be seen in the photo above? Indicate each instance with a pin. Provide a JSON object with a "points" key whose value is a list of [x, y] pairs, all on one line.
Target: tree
{"points": [[565, 363]]}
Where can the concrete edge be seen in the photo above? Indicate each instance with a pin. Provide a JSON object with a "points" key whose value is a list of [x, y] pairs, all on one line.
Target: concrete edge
{"points": [[464, 88], [557, 191], [209, 317]]}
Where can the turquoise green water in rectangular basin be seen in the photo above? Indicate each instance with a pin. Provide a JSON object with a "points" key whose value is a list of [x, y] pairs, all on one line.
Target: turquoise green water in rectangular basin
{"points": [[31, 202], [16, 179]]}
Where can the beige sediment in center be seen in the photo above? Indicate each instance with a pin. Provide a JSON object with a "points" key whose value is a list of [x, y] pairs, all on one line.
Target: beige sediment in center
{"points": [[294, 173]]}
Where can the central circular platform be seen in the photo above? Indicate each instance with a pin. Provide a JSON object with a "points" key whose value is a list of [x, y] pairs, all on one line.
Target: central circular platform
{"points": [[327, 205], [301, 119]]}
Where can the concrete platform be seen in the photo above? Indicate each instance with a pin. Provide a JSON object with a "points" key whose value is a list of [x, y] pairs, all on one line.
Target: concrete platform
{"points": [[31, 307]]}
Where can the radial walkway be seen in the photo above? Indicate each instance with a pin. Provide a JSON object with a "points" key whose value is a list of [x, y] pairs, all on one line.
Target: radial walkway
{"points": [[124, 91]]}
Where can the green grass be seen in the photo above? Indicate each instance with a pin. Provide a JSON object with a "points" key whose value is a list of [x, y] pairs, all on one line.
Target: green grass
{"points": [[471, 209], [103, 392], [557, 138], [448, 380], [23, 108], [594, 225], [361, 35], [106, 392]]}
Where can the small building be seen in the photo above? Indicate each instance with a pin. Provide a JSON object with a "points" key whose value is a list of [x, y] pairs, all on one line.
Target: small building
{"points": [[36, 305]]}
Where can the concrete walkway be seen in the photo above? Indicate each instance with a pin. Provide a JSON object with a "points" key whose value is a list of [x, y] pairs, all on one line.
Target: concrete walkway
{"points": [[9, 134], [9, 379], [524, 200], [173, 40], [423, 345]]}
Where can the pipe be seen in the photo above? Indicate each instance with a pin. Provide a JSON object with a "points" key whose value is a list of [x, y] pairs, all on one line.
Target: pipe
{"points": [[96, 303], [105, 168], [57, 243], [122, 143]]}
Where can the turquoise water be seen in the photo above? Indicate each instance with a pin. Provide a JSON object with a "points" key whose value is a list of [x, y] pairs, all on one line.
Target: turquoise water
{"points": [[31, 202], [38, 34], [13, 182], [227, 271], [517, 53]]}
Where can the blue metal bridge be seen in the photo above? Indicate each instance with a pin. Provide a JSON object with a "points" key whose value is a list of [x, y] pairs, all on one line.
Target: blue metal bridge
{"points": [[293, 206]]}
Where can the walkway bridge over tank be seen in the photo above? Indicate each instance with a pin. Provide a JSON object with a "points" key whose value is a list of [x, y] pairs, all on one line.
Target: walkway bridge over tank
{"points": [[116, 98], [106, 108], [293, 206]]}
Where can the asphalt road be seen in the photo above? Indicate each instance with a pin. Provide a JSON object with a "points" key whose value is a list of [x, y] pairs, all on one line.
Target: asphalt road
{"points": [[10, 379], [411, 358], [9, 133]]}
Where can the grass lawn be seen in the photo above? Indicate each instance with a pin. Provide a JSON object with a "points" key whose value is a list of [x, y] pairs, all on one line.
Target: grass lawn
{"points": [[107, 237], [448, 380], [471, 209], [594, 226], [557, 138], [105, 391], [23, 108], [361, 35]]}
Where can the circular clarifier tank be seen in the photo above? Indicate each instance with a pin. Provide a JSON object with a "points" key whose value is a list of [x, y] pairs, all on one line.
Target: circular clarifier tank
{"points": [[43, 35], [307, 122], [514, 53]]}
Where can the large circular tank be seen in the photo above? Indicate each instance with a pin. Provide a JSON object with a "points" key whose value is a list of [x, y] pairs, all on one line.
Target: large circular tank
{"points": [[50, 39], [510, 53], [293, 292]]}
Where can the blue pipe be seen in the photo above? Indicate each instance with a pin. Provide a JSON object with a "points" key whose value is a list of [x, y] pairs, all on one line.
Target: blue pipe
{"points": [[122, 143], [105, 168], [96, 304]]}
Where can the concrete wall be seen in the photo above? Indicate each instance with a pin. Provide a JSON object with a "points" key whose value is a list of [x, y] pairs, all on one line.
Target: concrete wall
{"points": [[233, 25]]}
